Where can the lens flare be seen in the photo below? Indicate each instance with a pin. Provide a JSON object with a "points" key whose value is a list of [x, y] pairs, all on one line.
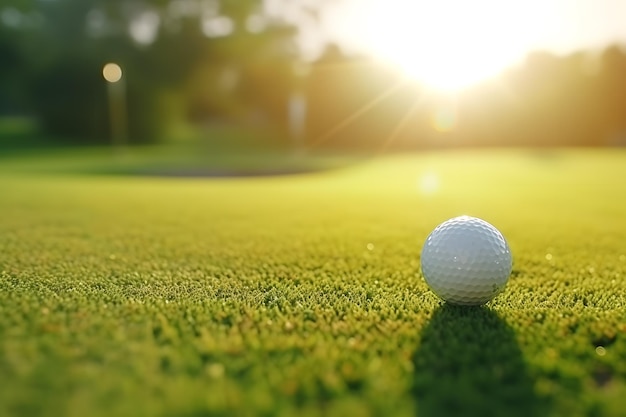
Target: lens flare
{"points": [[112, 72], [428, 183]]}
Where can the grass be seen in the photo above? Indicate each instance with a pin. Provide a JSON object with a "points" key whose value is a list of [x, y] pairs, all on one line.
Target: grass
{"points": [[302, 295], [178, 160]]}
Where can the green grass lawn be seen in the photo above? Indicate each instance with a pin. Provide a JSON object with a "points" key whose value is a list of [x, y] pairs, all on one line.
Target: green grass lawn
{"points": [[302, 295]]}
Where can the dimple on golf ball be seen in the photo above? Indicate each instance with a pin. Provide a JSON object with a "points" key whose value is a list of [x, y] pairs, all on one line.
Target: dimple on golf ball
{"points": [[466, 261]]}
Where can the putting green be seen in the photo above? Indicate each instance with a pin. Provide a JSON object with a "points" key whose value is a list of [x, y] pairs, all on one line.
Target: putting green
{"points": [[302, 295]]}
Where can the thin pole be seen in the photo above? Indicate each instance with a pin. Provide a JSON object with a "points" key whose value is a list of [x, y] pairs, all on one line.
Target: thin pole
{"points": [[116, 90]]}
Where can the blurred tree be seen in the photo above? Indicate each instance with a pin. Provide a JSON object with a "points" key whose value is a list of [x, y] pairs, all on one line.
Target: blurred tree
{"points": [[11, 100], [550, 101], [55, 51], [357, 103], [233, 61], [612, 86], [248, 78]]}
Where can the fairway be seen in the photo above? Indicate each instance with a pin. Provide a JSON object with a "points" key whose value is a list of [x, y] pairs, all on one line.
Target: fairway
{"points": [[303, 295]]}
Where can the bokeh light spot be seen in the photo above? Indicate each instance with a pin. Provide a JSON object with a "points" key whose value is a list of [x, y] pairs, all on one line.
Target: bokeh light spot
{"points": [[112, 72], [444, 119], [428, 183], [217, 27], [215, 370]]}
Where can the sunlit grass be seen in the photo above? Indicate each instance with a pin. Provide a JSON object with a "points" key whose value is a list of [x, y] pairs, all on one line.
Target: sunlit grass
{"points": [[301, 295]]}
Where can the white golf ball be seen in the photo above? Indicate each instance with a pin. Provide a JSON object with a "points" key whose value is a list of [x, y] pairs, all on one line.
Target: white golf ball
{"points": [[466, 261]]}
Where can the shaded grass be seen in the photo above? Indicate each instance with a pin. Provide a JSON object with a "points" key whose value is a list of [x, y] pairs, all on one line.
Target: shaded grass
{"points": [[302, 295], [213, 151], [183, 160], [469, 363]]}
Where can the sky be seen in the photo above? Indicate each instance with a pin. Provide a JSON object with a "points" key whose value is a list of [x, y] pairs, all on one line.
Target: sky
{"points": [[559, 25], [431, 39]]}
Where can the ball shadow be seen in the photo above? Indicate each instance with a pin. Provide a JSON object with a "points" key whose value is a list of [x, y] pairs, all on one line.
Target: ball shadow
{"points": [[469, 364]]}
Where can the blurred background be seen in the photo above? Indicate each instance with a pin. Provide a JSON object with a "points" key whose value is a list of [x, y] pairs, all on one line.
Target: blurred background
{"points": [[349, 75]]}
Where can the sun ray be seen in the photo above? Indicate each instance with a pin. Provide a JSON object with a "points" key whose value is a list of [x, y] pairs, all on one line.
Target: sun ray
{"points": [[341, 65], [354, 116], [403, 121]]}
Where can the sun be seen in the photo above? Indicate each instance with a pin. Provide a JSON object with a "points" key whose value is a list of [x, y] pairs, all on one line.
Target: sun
{"points": [[445, 44]]}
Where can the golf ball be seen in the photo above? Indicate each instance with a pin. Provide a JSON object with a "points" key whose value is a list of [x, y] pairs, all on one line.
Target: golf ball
{"points": [[466, 261]]}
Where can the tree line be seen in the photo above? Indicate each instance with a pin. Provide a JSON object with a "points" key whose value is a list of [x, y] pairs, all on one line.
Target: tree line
{"points": [[183, 60], [548, 100], [209, 61]]}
